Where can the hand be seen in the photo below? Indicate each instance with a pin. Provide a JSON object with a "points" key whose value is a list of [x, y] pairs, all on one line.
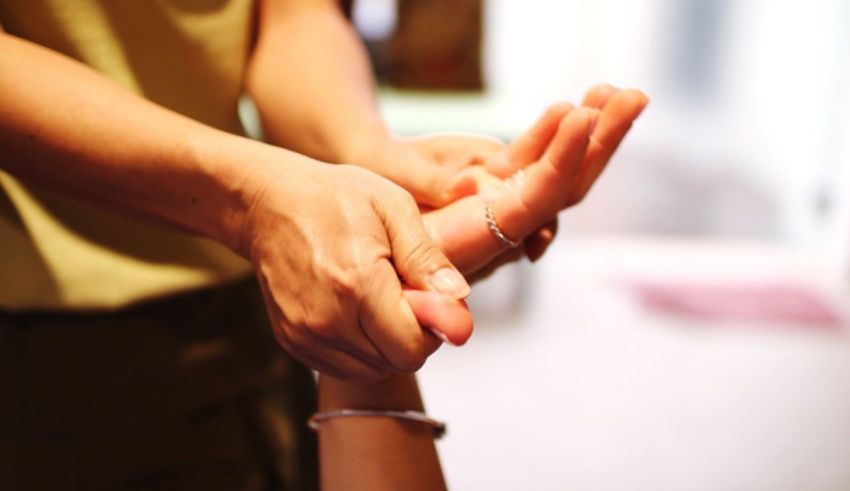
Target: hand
{"points": [[457, 152], [560, 166], [328, 244], [443, 168]]}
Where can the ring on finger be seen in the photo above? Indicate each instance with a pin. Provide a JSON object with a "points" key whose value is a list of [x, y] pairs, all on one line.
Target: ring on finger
{"points": [[496, 230]]}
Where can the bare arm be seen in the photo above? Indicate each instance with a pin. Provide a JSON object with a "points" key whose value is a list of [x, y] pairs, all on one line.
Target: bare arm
{"points": [[310, 77], [376, 454], [328, 243], [66, 127], [313, 86]]}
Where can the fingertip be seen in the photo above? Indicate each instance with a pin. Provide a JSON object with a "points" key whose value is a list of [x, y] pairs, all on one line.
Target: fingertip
{"points": [[598, 95], [464, 184], [634, 101], [447, 318], [546, 235], [532, 144], [558, 110], [645, 100], [537, 243]]}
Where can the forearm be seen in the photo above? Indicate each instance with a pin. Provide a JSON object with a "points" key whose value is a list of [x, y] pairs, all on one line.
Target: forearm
{"points": [[376, 453], [311, 80], [65, 127]]}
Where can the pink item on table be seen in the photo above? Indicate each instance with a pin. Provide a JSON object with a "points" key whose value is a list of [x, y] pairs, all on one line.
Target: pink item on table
{"points": [[774, 303]]}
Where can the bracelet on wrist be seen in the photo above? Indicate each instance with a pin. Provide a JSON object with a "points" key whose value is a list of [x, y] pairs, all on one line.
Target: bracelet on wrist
{"points": [[438, 427]]}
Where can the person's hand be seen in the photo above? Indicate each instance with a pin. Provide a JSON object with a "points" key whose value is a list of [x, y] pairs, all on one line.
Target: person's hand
{"points": [[440, 169], [561, 162], [328, 244]]}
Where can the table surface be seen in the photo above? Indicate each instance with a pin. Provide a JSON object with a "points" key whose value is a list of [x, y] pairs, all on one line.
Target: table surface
{"points": [[575, 385]]}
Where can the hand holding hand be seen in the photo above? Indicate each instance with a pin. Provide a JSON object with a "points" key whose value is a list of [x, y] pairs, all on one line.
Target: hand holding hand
{"points": [[446, 167], [328, 244]]}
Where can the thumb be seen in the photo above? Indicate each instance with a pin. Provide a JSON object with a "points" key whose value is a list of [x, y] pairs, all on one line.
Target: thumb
{"points": [[417, 259], [430, 183], [447, 318], [434, 185]]}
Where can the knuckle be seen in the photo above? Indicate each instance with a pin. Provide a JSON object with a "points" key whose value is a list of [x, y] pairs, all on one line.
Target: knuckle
{"points": [[322, 327], [315, 323], [403, 199], [422, 254], [343, 282], [359, 180]]}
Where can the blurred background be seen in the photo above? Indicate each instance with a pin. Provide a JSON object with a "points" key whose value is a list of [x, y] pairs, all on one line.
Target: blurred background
{"points": [[689, 328]]}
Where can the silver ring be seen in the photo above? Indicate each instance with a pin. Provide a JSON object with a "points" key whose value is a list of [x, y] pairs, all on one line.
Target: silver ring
{"points": [[494, 228]]}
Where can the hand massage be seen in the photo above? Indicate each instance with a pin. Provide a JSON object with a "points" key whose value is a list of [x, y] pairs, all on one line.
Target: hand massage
{"points": [[170, 287]]}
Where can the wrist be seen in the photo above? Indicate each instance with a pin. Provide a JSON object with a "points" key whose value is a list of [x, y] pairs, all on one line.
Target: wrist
{"points": [[367, 147], [234, 173], [398, 391]]}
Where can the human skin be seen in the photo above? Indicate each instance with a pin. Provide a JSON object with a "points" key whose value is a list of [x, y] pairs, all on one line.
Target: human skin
{"points": [[340, 123], [59, 128], [329, 243], [383, 453], [529, 212], [71, 118], [311, 81], [376, 454]]}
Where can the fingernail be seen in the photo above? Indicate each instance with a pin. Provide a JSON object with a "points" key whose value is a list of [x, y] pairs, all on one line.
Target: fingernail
{"points": [[450, 282], [441, 335]]}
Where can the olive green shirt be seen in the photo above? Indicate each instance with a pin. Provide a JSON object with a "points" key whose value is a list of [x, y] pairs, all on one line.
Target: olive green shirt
{"points": [[186, 55]]}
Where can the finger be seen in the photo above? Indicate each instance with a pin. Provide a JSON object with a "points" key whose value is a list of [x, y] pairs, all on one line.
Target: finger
{"points": [[599, 95], [529, 146], [537, 243], [389, 322], [433, 185], [429, 183], [462, 233], [462, 230], [445, 317], [547, 181], [614, 122], [416, 257]]}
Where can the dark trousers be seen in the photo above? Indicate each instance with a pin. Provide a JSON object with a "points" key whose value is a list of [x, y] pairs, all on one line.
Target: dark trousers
{"points": [[190, 392]]}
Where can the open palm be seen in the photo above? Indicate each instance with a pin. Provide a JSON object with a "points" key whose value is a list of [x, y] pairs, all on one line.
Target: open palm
{"points": [[562, 155]]}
